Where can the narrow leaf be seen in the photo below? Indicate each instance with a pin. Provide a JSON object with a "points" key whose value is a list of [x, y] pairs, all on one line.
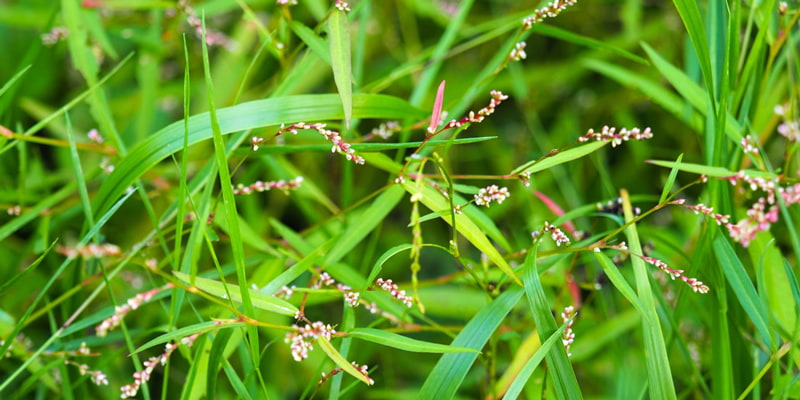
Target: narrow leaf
{"points": [[260, 300], [405, 343], [448, 374], [559, 158], [339, 41], [337, 358]]}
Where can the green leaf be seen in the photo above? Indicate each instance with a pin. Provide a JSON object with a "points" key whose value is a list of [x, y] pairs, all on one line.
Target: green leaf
{"points": [[337, 358], [405, 343], [659, 373], [260, 300], [522, 378], [713, 172], [564, 380], [314, 42], [616, 278], [339, 41], [241, 117], [446, 377], [742, 286], [178, 334], [559, 158], [673, 174], [434, 200]]}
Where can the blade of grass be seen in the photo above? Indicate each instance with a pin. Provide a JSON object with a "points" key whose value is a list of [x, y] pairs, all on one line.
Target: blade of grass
{"points": [[404, 343], [565, 384], [658, 369], [340, 59], [448, 374], [525, 374], [231, 214], [242, 117]]}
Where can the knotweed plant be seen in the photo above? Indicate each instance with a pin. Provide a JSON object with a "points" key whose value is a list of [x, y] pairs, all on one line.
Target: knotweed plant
{"points": [[462, 213]]}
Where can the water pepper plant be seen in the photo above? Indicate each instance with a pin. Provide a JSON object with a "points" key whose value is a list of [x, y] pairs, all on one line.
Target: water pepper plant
{"points": [[329, 199]]}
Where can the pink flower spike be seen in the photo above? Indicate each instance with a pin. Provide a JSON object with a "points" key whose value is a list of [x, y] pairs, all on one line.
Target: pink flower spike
{"points": [[437, 109]]}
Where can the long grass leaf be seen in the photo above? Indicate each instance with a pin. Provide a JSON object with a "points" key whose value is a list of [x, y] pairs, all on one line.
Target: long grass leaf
{"points": [[659, 373], [448, 374], [564, 380], [404, 343], [339, 41]]}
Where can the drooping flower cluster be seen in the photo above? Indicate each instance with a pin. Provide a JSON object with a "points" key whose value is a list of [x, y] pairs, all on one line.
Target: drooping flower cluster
{"points": [[300, 340], [568, 337], [57, 34], [609, 134], [342, 5], [790, 129], [122, 310], [696, 285], [261, 186], [143, 376], [749, 145], [491, 193], [518, 52], [556, 234], [395, 291], [385, 130], [339, 145], [14, 210], [361, 368], [97, 377], [551, 10], [91, 250], [212, 37], [472, 117], [760, 215]]}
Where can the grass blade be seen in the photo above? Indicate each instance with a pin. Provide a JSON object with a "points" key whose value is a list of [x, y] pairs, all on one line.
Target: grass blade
{"points": [[448, 374], [339, 41]]}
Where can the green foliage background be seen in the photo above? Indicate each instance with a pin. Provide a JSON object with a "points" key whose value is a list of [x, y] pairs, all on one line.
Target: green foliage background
{"points": [[178, 117]]}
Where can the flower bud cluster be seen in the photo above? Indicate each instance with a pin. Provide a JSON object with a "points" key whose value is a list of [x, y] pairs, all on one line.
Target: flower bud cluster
{"points": [[261, 186], [287, 2], [395, 291], [385, 130], [91, 250], [697, 286], [472, 117], [749, 145], [790, 129], [121, 311], [761, 214], [339, 145], [143, 376], [491, 193], [551, 10], [568, 337], [212, 37], [609, 134], [342, 5], [57, 34], [15, 210], [556, 234], [97, 377], [518, 52], [301, 339]]}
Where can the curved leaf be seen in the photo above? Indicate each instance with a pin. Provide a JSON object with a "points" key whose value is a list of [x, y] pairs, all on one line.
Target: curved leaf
{"points": [[339, 42], [244, 116], [260, 300], [405, 343]]}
